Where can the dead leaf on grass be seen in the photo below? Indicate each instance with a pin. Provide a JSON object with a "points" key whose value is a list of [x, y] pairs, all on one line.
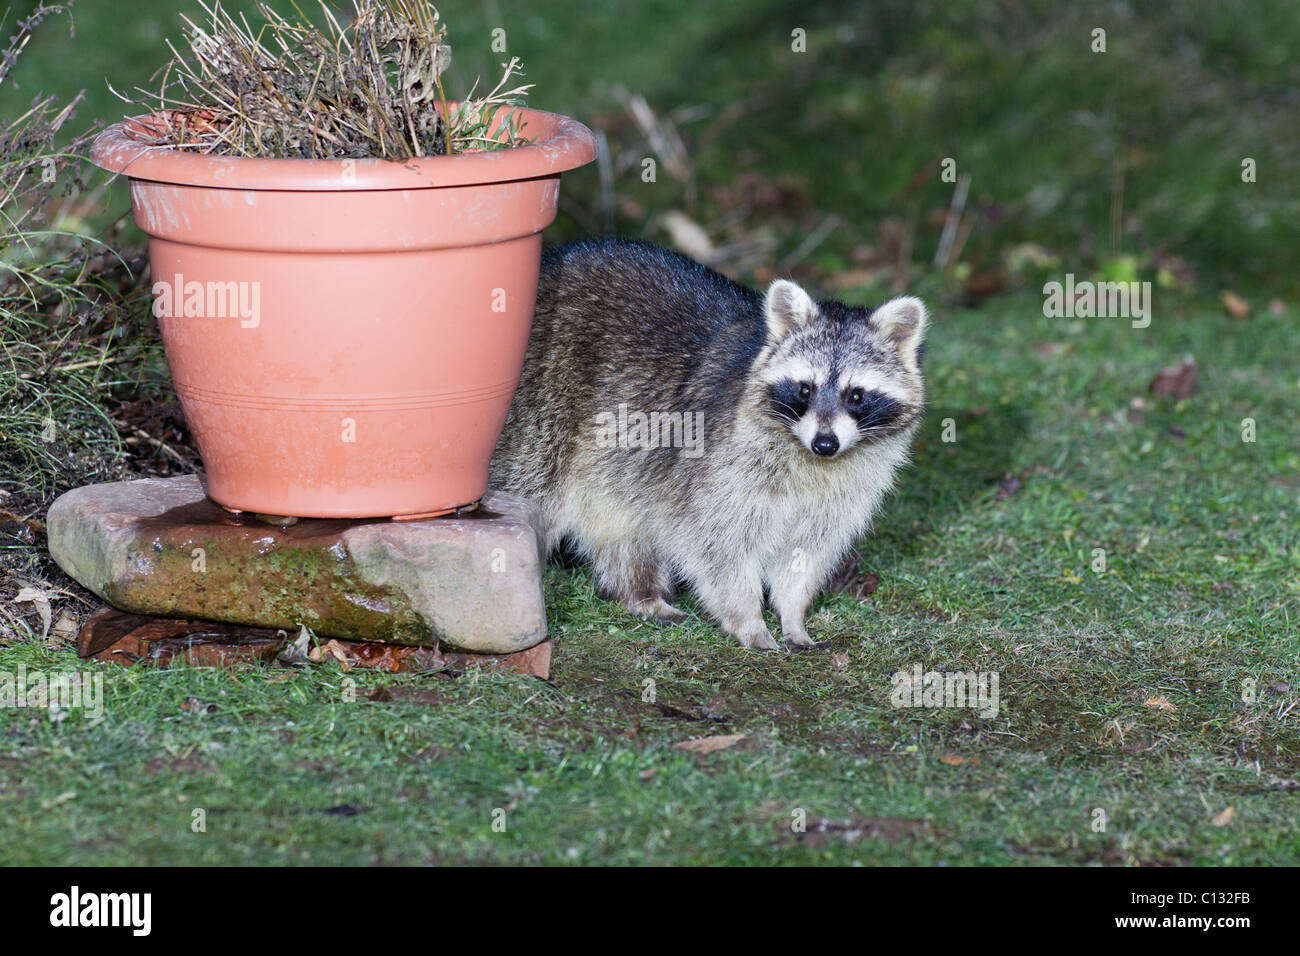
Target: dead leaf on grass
{"points": [[1159, 702], [1175, 381], [24, 529], [686, 235], [1224, 818], [66, 627], [848, 580], [334, 649], [41, 601], [1235, 305], [707, 745], [866, 586], [297, 651]]}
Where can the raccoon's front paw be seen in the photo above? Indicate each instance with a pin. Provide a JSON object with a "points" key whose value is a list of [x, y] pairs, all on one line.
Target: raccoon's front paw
{"points": [[757, 636], [797, 637]]}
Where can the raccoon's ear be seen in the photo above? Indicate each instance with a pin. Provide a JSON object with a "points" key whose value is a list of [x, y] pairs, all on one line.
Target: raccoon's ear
{"points": [[902, 322], [787, 307]]}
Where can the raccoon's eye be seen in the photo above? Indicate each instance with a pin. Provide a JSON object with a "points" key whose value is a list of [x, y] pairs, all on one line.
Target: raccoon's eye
{"points": [[804, 389], [856, 396]]}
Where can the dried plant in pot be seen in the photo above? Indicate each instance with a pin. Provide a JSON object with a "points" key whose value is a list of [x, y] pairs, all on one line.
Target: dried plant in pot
{"points": [[344, 263]]}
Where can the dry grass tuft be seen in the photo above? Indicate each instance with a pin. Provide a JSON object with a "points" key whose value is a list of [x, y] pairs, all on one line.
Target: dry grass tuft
{"points": [[65, 299], [293, 89]]}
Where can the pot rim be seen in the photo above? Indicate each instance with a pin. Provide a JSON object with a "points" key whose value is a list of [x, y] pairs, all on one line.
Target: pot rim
{"points": [[566, 144]]}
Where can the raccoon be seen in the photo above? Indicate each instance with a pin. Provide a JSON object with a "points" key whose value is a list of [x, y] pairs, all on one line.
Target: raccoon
{"points": [[677, 427]]}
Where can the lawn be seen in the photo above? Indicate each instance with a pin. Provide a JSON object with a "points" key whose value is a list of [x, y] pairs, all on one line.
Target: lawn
{"points": [[1126, 564], [1128, 691]]}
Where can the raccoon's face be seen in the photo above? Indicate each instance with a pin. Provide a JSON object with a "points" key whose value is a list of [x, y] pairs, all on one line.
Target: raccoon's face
{"points": [[837, 376]]}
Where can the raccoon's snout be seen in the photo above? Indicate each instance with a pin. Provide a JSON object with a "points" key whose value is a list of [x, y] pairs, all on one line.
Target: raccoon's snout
{"points": [[825, 445]]}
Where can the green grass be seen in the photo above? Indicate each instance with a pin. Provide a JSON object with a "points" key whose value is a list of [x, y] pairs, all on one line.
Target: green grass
{"points": [[1203, 551]]}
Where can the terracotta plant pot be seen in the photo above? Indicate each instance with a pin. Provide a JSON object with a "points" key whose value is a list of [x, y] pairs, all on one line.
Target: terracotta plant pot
{"points": [[345, 336]]}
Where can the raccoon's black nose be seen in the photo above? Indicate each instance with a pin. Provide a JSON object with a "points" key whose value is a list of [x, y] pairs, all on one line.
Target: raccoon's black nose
{"points": [[825, 445]]}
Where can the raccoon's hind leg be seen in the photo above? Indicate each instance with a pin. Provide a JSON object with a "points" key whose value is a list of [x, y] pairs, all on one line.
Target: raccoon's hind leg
{"points": [[632, 575]]}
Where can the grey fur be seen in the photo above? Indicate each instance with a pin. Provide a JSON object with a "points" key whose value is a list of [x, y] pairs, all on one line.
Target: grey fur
{"points": [[747, 505]]}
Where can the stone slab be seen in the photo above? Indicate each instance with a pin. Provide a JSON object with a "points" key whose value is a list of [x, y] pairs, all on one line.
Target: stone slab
{"points": [[159, 546]]}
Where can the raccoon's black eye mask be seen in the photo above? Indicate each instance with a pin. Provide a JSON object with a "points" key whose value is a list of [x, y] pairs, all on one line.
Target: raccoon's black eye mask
{"points": [[787, 402], [872, 410]]}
